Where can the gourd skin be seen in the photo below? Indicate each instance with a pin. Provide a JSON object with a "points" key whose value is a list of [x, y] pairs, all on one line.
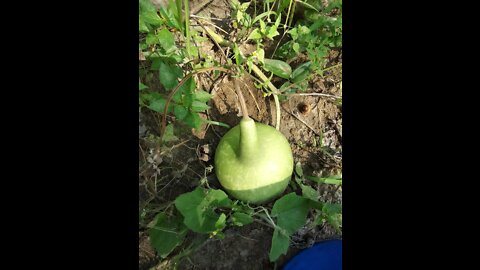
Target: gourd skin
{"points": [[260, 170]]}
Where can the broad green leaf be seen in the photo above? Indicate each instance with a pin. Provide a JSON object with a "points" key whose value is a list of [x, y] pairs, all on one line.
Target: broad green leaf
{"points": [[155, 63], [272, 33], [192, 120], [301, 72], [187, 89], [151, 96], [283, 5], [165, 38], [309, 193], [168, 136], [255, 34], [151, 39], [296, 47], [220, 224], [244, 6], [332, 208], [148, 13], [263, 27], [167, 233], [291, 212], [240, 219], [198, 106], [202, 96], [142, 26], [169, 74], [293, 33], [180, 112], [158, 105], [169, 15], [280, 244], [198, 208]]}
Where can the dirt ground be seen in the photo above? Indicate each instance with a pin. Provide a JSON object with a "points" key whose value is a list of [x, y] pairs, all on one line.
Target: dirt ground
{"points": [[311, 123]]}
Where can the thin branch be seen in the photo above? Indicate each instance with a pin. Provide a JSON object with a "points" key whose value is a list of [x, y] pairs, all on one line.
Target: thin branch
{"points": [[314, 94], [242, 100]]}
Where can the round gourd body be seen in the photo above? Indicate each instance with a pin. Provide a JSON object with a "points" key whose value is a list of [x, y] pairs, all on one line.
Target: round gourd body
{"points": [[261, 170]]}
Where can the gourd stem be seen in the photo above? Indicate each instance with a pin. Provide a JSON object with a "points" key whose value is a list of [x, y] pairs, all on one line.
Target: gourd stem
{"points": [[242, 100]]}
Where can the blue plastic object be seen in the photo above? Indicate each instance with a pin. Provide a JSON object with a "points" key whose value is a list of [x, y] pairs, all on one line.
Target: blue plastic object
{"points": [[326, 255]]}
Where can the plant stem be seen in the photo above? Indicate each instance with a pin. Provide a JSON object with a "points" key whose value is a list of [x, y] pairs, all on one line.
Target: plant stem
{"points": [[187, 26], [277, 106], [242, 100], [332, 67], [274, 90], [217, 123]]}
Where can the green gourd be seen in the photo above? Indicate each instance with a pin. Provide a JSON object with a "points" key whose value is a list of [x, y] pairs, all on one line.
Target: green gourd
{"points": [[253, 161]]}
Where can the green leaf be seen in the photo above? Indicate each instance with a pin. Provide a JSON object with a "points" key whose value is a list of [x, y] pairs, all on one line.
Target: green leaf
{"points": [[151, 96], [262, 27], [256, 34], [141, 86], [151, 39], [193, 50], [296, 47], [260, 16], [220, 235], [198, 208], [293, 33], [198, 106], [148, 13], [165, 38], [309, 193], [272, 33], [142, 26], [333, 213], [238, 57], [332, 208], [291, 212], [187, 89], [192, 120], [220, 224], [280, 244], [202, 96], [169, 15], [244, 6], [158, 105], [167, 233], [240, 219], [168, 136], [180, 112], [155, 63], [169, 74], [301, 72], [261, 55]]}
